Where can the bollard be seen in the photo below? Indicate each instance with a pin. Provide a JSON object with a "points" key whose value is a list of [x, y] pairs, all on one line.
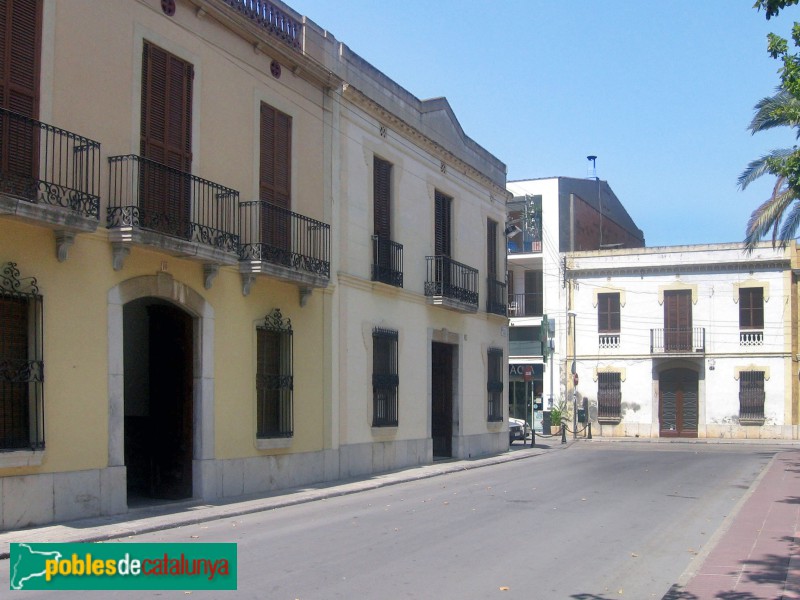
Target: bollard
{"points": [[590, 431], [533, 436], [563, 434]]}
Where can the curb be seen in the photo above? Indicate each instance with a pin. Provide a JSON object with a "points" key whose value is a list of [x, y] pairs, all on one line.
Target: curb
{"points": [[129, 525]]}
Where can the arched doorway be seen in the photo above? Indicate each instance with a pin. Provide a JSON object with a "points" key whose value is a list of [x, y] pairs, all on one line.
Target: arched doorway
{"points": [[158, 353], [678, 403]]}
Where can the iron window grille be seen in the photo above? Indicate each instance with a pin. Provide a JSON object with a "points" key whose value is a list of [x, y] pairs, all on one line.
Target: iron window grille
{"points": [[385, 378], [609, 396], [274, 379], [494, 384], [751, 396], [21, 362]]}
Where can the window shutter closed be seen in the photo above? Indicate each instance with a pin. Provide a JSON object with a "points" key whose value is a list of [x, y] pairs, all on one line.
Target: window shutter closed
{"points": [[20, 40], [442, 224], [382, 172], [166, 138], [275, 176], [491, 249]]}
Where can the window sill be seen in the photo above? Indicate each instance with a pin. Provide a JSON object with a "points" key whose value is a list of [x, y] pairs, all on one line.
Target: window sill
{"points": [[609, 420], [21, 458], [273, 443], [385, 431], [756, 422]]}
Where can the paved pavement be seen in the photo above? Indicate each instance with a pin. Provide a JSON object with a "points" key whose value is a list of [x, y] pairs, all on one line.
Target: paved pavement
{"points": [[755, 555]]}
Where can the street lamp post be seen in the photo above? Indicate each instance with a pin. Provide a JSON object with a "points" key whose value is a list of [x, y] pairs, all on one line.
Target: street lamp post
{"points": [[574, 316]]}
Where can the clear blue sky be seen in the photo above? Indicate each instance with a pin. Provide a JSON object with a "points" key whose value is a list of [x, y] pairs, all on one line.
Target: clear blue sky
{"points": [[660, 91]]}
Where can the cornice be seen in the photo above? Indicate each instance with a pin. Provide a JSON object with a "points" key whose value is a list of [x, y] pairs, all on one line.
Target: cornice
{"points": [[682, 268], [383, 115], [262, 42]]}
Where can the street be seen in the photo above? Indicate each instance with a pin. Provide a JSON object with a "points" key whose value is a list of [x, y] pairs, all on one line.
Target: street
{"points": [[595, 521]]}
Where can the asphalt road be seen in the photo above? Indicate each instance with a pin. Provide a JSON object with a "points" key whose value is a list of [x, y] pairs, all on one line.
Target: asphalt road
{"points": [[596, 521]]}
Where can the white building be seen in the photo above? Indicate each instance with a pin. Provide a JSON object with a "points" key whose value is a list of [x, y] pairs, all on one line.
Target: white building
{"points": [[686, 341], [551, 216]]}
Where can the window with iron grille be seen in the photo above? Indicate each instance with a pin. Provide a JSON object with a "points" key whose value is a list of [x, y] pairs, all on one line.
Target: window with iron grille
{"points": [[608, 320], [274, 380], [494, 384], [609, 396], [21, 362], [385, 378], [751, 396]]}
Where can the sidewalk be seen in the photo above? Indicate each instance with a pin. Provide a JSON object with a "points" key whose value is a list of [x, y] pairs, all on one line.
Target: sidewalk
{"points": [[177, 514], [756, 553]]}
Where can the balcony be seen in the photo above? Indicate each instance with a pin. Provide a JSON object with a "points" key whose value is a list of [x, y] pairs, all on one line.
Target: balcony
{"points": [[49, 176], [285, 245], [689, 340], [268, 17], [451, 285], [387, 261], [751, 338], [608, 341], [496, 292], [526, 305], [155, 205]]}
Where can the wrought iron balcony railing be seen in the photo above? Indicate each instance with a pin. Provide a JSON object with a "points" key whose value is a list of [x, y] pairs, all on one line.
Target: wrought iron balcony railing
{"points": [[495, 302], [46, 165], [678, 340], [526, 305], [387, 261], [278, 236], [447, 278], [270, 18], [147, 195]]}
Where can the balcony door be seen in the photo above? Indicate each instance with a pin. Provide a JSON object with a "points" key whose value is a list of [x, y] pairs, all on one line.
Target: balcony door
{"points": [[275, 176], [678, 321], [20, 49], [442, 241], [166, 139]]}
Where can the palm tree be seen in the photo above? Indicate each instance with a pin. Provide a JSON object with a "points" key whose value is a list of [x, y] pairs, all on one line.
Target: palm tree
{"points": [[780, 213]]}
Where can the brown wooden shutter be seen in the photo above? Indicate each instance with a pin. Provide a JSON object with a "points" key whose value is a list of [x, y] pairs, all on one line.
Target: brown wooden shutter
{"points": [[14, 404], [20, 47], [275, 176], [382, 172], [677, 319], [442, 224], [166, 138]]}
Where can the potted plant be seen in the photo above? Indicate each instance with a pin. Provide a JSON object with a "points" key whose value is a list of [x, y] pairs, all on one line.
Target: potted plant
{"points": [[556, 416]]}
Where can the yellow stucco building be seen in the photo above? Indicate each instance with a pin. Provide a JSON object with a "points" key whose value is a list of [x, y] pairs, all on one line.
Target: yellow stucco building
{"points": [[234, 257]]}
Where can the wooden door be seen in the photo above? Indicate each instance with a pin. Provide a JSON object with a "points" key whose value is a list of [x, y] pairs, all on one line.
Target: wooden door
{"points": [[166, 139], [442, 400], [678, 403], [678, 321]]}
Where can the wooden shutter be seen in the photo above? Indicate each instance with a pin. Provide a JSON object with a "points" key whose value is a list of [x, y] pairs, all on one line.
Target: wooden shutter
{"points": [[275, 176], [166, 138], [382, 182], [20, 42], [442, 224], [20, 48], [677, 320], [751, 308], [491, 249]]}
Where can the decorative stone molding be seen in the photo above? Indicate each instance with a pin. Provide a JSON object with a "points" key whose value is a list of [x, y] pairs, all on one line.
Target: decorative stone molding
{"points": [[64, 239], [247, 282], [120, 251], [210, 272]]}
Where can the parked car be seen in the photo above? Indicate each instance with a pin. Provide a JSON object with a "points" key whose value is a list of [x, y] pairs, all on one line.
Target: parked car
{"points": [[517, 429]]}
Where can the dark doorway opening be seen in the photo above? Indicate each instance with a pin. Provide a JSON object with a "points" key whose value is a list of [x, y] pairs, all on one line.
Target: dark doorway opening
{"points": [[442, 400], [678, 405], [158, 369]]}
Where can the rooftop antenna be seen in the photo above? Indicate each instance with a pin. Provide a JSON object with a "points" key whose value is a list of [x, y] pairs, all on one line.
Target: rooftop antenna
{"points": [[593, 159]]}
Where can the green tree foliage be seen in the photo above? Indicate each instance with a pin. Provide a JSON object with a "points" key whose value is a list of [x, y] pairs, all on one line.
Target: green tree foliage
{"points": [[780, 213]]}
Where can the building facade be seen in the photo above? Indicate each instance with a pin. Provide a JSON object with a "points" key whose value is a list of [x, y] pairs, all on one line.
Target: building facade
{"points": [[686, 341], [547, 218], [196, 299]]}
